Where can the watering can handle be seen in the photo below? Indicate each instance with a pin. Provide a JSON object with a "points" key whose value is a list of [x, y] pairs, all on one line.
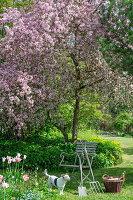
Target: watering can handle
{"points": [[123, 175]]}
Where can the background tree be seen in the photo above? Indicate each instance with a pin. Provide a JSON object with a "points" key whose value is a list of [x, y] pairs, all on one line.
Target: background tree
{"points": [[117, 44], [50, 57], [124, 122]]}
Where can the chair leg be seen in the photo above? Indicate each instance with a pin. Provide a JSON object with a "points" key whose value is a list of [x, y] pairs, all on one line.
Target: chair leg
{"points": [[89, 164]]}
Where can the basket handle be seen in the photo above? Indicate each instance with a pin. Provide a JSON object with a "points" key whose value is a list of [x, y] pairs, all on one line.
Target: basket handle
{"points": [[123, 175], [105, 176]]}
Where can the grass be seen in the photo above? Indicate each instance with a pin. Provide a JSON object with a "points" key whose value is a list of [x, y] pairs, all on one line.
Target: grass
{"points": [[71, 189]]}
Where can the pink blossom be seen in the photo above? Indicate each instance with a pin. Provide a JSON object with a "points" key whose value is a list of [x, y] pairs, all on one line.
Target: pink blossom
{"points": [[13, 197], [5, 185], [19, 134], [18, 159], [25, 177], [1, 177]]}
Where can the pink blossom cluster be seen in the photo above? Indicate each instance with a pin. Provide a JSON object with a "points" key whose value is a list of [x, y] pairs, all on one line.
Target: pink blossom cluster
{"points": [[13, 160], [26, 177]]}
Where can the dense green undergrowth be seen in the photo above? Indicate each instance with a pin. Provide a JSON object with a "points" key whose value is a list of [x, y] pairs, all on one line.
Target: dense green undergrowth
{"points": [[45, 152]]}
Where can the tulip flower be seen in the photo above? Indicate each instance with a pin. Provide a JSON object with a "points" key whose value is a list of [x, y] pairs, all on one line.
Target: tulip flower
{"points": [[25, 177], [5, 185], [18, 155], [24, 157], [8, 157], [18, 159], [3, 159], [1, 177]]}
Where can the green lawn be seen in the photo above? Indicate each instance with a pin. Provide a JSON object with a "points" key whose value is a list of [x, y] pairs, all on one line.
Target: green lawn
{"points": [[71, 189]]}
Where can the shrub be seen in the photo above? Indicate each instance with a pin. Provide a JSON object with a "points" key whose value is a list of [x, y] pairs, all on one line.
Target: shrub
{"points": [[45, 152], [123, 122], [41, 152], [108, 153]]}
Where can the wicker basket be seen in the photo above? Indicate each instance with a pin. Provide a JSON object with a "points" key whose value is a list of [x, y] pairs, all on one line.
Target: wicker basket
{"points": [[113, 184]]}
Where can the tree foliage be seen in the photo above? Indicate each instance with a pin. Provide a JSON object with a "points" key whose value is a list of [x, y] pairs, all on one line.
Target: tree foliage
{"points": [[124, 122]]}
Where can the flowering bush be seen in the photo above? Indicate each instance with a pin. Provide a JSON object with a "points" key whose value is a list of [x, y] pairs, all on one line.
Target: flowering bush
{"points": [[16, 184], [108, 153]]}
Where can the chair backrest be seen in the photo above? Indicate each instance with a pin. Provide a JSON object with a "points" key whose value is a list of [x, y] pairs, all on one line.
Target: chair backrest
{"points": [[90, 147]]}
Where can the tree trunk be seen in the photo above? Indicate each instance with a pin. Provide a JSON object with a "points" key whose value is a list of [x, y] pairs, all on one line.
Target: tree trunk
{"points": [[62, 129], [75, 117], [65, 136], [63, 132]]}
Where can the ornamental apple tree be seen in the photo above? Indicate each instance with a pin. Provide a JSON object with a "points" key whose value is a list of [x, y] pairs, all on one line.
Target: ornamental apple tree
{"points": [[49, 57]]}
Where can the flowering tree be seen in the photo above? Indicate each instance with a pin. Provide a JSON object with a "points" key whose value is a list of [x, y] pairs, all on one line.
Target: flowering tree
{"points": [[49, 56]]}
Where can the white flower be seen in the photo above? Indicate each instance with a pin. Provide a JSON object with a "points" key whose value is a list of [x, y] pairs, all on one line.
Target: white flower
{"points": [[9, 161], [3, 159], [24, 157], [13, 160], [8, 158], [18, 155]]}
